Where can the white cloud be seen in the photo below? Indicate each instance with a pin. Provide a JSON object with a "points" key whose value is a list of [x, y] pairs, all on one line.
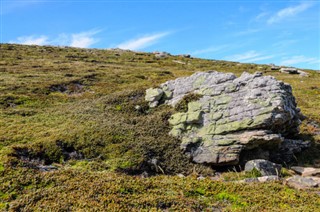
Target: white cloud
{"points": [[81, 40], [31, 40], [210, 50], [289, 12], [261, 16], [259, 58], [250, 56], [142, 42], [299, 59], [84, 39], [244, 56]]}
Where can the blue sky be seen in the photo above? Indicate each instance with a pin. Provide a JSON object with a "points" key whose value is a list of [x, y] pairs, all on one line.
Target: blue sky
{"points": [[279, 32]]}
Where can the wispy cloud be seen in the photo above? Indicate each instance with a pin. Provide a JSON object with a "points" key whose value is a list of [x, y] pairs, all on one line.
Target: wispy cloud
{"points": [[32, 40], [250, 56], [84, 39], [260, 16], [289, 12], [210, 50], [142, 42], [14, 5], [81, 40], [300, 59], [247, 32], [284, 43]]}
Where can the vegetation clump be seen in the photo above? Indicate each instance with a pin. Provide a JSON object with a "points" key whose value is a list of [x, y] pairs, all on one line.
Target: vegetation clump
{"points": [[182, 105]]}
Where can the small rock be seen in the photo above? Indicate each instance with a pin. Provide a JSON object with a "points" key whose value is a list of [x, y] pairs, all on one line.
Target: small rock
{"points": [[153, 95], [265, 167], [179, 62], [201, 177], [268, 178], [144, 174], [301, 183], [47, 168], [215, 178], [137, 107], [161, 54], [306, 171], [181, 175], [317, 180], [248, 180], [303, 74]]}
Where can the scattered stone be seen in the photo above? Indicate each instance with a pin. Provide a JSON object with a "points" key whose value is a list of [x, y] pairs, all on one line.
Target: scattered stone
{"points": [[275, 68], [215, 178], [137, 107], [248, 180], [231, 115], [47, 168], [317, 180], [180, 175], [289, 70], [179, 62], [301, 183], [185, 55], [201, 177], [153, 95], [306, 171], [161, 54], [303, 73], [268, 178], [266, 168], [260, 179], [144, 174]]}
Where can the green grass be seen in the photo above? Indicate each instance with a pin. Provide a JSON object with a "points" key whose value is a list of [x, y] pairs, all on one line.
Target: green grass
{"points": [[75, 108]]}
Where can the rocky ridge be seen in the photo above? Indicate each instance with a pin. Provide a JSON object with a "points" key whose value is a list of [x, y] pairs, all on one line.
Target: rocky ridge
{"points": [[230, 117]]}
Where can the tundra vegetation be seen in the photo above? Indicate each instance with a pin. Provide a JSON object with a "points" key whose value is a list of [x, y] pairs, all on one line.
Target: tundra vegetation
{"points": [[77, 134]]}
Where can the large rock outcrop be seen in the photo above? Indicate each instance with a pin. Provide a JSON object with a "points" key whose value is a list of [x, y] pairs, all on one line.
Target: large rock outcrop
{"points": [[231, 115]]}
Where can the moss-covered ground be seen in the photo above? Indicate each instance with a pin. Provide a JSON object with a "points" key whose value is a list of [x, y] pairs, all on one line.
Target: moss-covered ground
{"points": [[77, 109]]}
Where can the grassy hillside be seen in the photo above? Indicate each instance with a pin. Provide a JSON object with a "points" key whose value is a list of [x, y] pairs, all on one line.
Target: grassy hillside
{"points": [[76, 109]]}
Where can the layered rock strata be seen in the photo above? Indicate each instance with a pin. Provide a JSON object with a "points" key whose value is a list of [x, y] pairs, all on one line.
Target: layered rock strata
{"points": [[230, 115]]}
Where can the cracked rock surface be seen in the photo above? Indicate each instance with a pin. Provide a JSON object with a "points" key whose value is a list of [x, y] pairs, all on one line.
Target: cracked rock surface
{"points": [[231, 115]]}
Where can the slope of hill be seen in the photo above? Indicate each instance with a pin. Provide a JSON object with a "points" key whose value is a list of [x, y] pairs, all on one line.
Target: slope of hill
{"points": [[73, 112]]}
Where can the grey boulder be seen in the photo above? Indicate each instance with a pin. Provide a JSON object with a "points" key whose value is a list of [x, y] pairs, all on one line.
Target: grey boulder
{"points": [[266, 168], [251, 113]]}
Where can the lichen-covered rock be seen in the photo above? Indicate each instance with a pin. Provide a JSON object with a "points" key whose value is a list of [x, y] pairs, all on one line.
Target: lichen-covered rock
{"points": [[302, 183], [231, 114], [266, 168], [153, 95]]}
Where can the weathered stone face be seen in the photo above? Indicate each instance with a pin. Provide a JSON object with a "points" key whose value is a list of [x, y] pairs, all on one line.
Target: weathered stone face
{"points": [[233, 114]]}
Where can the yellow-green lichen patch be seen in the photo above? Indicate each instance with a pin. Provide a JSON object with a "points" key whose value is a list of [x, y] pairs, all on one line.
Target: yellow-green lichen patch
{"points": [[199, 82], [194, 106], [178, 118]]}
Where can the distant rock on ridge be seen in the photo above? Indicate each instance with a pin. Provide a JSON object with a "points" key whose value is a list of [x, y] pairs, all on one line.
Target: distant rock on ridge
{"points": [[232, 118]]}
